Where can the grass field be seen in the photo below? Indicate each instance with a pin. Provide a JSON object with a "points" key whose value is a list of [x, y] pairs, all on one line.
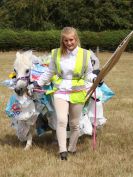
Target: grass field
{"points": [[113, 156]]}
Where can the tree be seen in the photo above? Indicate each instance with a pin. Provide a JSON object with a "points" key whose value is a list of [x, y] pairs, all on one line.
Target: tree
{"points": [[94, 15]]}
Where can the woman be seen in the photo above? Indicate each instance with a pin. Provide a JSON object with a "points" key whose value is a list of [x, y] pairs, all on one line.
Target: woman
{"points": [[71, 67]]}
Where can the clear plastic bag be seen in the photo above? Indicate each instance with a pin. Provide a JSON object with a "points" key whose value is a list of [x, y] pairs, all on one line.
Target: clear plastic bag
{"points": [[107, 93], [10, 83], [85, 125]]}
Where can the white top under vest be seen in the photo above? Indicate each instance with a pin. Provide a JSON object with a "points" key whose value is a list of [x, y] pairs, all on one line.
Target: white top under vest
{"points": [[67, 65]]}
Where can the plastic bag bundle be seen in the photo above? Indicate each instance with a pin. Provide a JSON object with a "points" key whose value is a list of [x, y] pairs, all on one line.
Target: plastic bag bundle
{"points": [[42, 98], [100, 119], [12, 107], [22, 111], [107, 93], [10, 83], [36, 71], [21, 107], [45, 59], [85, 125], [47, 99], [103, 93], [22, 127]]}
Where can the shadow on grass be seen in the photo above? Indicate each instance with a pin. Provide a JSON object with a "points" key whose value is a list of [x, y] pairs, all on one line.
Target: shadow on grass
{"points": [[44, 141], [10, 140]]}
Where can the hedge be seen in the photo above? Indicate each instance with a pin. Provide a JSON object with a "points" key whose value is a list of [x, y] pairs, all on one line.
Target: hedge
{"points": [[46, 40]]}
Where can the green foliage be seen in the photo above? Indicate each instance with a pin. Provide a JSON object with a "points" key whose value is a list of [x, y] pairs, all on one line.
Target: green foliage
{"points": [[9, 40], [25, 40], [40, 15], [109, 40], [89, 39], [47, 40], [32, 15]]}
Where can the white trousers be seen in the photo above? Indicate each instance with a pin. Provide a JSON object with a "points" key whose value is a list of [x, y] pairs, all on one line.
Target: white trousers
{"points": [[63, 109]]}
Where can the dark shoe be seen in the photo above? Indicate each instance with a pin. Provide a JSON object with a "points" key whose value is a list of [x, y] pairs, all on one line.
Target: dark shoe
{"points": [[63, 155]]}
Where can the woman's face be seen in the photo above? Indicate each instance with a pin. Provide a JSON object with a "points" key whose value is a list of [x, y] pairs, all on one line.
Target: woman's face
{"points": [[70, 41]]}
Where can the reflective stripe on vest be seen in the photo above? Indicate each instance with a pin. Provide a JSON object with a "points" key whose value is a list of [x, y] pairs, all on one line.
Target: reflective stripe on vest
{"points": [[79, 70]]}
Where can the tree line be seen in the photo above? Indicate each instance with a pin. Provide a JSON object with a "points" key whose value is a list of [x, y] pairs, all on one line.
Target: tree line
{"points": [[92, 15]]}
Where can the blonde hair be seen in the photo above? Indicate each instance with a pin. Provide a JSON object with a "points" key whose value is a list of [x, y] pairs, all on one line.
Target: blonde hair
{"points": [[65, 31]]}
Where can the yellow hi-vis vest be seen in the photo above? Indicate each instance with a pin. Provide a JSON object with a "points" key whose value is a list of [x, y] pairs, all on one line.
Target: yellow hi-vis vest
{"points": [[78, 93]]}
